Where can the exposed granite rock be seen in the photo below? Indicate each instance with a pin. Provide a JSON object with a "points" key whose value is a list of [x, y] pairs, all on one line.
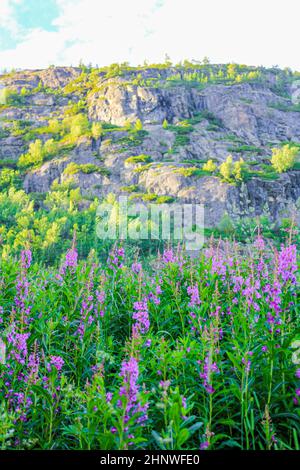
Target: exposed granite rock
{"points": [[53, 77], [11, 148], [118, 103]]}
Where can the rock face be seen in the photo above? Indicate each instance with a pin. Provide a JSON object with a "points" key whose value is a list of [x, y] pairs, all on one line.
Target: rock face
{"points": [[245, 119], [246, 109], [118, 102]]}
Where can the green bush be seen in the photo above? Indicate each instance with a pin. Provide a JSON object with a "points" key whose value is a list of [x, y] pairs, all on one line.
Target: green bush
{"points": [[34, 156], [138, 159], [9, 178], [77, 125], [87, 168], [164, 199], [130, 189], [209, 166], [283, 159], [231, 172]]}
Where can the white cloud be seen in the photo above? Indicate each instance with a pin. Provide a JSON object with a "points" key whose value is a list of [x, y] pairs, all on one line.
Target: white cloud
{"points": [[7, 19], [102, 32]]}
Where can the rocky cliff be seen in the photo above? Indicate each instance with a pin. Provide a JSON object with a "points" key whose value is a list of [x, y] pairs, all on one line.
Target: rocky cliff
{"points": [[171, 120]]}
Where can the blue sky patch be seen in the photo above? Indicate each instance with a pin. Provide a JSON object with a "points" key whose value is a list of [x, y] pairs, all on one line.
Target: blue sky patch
{"points": [[29, 14]]}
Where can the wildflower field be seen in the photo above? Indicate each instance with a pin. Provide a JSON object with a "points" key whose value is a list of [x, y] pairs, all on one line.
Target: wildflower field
{"points": [[181, 354]]}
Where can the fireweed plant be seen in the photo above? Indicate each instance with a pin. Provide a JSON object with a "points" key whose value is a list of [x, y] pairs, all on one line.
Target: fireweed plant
{"points": [[188, 354]]}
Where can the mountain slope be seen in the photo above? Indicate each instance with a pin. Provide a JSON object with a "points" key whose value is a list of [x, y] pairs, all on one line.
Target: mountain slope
{"points": [[171, 120]]}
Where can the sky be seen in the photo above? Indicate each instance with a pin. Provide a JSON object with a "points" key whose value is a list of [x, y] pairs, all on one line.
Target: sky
{"points": [[39, 33]]}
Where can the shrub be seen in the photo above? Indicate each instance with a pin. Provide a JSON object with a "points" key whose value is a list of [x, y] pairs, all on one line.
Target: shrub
{"points": [[50, 147], [226, 225], [11, 98], [77, 125], [284, 158], [232, 171], [130, 189], [138, 159], [87, 168], [9, 178], [238, 170], [164, 199], [54, 126], [34, 156], [187, 172], [209, 166], [226, 169], [8, 162], [138, 125], [97, 130]]}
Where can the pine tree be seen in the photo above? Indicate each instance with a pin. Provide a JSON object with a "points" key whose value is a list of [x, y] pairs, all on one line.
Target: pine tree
{"points": [[138, 125], [165, 124]]}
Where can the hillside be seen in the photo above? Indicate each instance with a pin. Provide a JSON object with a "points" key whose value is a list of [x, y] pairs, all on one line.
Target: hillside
{"points": [[148, 131]]}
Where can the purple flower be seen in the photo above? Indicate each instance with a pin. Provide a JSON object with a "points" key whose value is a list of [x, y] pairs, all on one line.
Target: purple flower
{"points": [[204, 445], [165, 384], [169, 257], [116, 258], [141, 316], [57, 362], [287, 264], [26, 258], [130, 389], [193, 292], [209, 368], [136, 268], [100, 296], [70, 261], [259, 243], [19, 343]]}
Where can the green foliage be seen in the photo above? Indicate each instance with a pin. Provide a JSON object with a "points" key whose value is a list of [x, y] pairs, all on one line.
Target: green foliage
{"points": [[8, 163], [226, 225], [54, 126], [231, 172], [9, 178], [138, 159], [77, 125], [50, 148], [34, 156], [164, 199], [245, 149], [226, 169], [182, 130], [38, 152], [133, 188], [138, 125], [187, 172], [11, 97], [238, 170], [97, 130], [283, 159], [87, 168], [209, 166]]}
